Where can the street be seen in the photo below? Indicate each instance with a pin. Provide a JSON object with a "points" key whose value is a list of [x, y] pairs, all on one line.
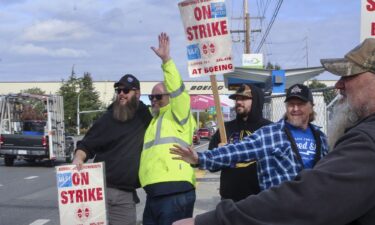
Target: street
{"points": [[28, 193]]}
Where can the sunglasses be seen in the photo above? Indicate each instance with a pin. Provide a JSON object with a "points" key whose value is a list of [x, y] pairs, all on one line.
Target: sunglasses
{"points": [[158, 97], [125, 90]]}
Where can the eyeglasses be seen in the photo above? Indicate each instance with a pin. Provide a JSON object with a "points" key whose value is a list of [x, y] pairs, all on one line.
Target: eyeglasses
{"points": [[158, 97], [125, 90]]}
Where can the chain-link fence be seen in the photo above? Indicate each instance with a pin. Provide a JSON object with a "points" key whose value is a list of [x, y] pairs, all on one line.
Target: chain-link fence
{"points": [[274, 109]]}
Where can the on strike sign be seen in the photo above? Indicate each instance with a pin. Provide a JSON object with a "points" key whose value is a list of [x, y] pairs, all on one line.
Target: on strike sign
{"points": [[209, 48], [367, 19], [81, 194]]}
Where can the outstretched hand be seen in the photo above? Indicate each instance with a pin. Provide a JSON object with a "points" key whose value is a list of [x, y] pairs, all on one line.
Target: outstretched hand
{"points": [[186, 154], [163, 50]]}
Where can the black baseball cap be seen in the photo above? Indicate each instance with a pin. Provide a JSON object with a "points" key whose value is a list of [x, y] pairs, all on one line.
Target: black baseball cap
{"points": [[299, 91], [128, 81]]}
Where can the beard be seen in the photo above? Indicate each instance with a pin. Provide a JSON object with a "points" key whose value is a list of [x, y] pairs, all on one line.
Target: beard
{"points": [[241, 112], [297, 122], [155, 112], [127, 111], [344, 116]]}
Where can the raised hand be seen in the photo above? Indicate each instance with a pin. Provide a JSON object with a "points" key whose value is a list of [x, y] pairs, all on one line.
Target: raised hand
{"points": [[163, 50], [186, 154]]}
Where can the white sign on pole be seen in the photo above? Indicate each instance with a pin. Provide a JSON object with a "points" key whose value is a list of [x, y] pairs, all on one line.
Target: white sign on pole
{"points": [[367, 19], [81, 194], [209, 48], [252, 60]]}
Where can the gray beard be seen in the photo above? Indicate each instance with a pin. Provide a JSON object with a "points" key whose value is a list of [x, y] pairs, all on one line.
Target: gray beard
{"points": [[155, 112], [343, 117], [127, 111]]}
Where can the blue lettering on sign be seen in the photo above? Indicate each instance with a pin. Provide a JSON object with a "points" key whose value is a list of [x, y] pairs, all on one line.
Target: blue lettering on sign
{"points": [[64, 180], [193, 52], [218, 10]]}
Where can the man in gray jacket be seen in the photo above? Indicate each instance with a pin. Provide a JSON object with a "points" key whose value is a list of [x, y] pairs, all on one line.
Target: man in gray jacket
{"points": [[340, 189]]}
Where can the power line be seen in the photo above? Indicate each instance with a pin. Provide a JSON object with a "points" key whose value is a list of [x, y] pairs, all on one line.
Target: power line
{"points": [[269, 25]]}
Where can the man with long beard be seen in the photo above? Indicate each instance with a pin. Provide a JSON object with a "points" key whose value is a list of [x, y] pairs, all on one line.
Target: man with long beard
{"points": [[116, 138], [340, 189], [281, 149]]}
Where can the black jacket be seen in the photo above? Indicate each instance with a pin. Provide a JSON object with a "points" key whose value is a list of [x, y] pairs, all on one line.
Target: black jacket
{"points": [[339, 190], [119, 145], [238, 183]]}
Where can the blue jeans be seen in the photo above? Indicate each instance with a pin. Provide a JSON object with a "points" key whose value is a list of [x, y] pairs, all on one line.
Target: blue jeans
{"points": [[164, 210]]}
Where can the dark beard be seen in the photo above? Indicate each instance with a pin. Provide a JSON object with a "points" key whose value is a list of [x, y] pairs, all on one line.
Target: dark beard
{"points": [[127, 111]]}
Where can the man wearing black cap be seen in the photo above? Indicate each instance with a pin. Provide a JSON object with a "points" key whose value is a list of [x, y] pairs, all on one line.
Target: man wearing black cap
{"points": [[116, 138], [281, 149], [241, 181], [339, 190]]}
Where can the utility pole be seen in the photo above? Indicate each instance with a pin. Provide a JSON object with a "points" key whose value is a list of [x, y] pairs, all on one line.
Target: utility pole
{"points": [[246, 27], [307, 52]]}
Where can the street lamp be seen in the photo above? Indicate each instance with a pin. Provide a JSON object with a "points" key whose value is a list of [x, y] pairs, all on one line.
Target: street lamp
{"points": [[78, 121]]}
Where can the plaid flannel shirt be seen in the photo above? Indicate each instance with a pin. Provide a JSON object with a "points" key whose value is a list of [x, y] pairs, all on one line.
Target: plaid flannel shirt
{"points": [[270, 147]]}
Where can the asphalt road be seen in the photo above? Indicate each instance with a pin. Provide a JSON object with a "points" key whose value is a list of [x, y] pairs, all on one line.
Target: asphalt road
{"points": [[28, 193]]}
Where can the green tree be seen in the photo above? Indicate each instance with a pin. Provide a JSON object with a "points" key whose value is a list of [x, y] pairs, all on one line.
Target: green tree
{"points": [[329, 94], [34, 90], [33, 106], [69, 91], [271, 66], [88, 100]]}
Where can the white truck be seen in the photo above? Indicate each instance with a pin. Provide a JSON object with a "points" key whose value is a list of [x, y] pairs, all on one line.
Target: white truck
{"points": [[32, 128]]}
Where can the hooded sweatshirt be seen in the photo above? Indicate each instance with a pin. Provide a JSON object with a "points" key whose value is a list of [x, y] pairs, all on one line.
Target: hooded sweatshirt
{"points": [[241, 181]]}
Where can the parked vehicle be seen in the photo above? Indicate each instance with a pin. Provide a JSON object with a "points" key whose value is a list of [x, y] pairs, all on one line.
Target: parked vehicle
{"points": [[196, 138], [204, 133], [32, 128]]}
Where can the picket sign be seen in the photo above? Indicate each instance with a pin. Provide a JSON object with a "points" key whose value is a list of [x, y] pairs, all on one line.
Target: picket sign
{"points": [[81, 194], [209, 48]]}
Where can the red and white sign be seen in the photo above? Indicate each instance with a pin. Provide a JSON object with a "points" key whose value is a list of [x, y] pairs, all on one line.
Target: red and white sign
{"points": [[81, 194], [209, 49], [367, 19]]}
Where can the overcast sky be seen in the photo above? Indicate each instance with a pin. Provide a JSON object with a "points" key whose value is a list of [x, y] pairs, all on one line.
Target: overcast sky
{"points": [[41, 40]]}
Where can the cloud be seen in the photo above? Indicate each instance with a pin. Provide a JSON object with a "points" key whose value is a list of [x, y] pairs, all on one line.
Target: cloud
{"points": [[31, 49], [56, 30]]}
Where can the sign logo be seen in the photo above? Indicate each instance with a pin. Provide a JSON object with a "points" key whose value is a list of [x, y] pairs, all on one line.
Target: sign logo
{"points": [[208, 48], [64, 180], [296, 89], [193, 52], [83, 213], [218, 10]]}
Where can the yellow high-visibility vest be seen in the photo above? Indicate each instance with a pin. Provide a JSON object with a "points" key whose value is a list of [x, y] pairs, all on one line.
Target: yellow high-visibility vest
{"points": [[174, 125]]}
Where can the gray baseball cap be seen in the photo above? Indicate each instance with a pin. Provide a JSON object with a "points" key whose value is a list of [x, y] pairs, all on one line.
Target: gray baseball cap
{"points": [[359, 60]]}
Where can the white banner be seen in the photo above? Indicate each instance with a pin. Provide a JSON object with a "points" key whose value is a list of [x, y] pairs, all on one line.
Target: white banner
{"points": [[367, 19], [81, 194], [209, 48]]}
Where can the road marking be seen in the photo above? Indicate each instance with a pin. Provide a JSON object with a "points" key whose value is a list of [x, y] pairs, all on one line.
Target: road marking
{"points": [[39, 222], [31, 177]]}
